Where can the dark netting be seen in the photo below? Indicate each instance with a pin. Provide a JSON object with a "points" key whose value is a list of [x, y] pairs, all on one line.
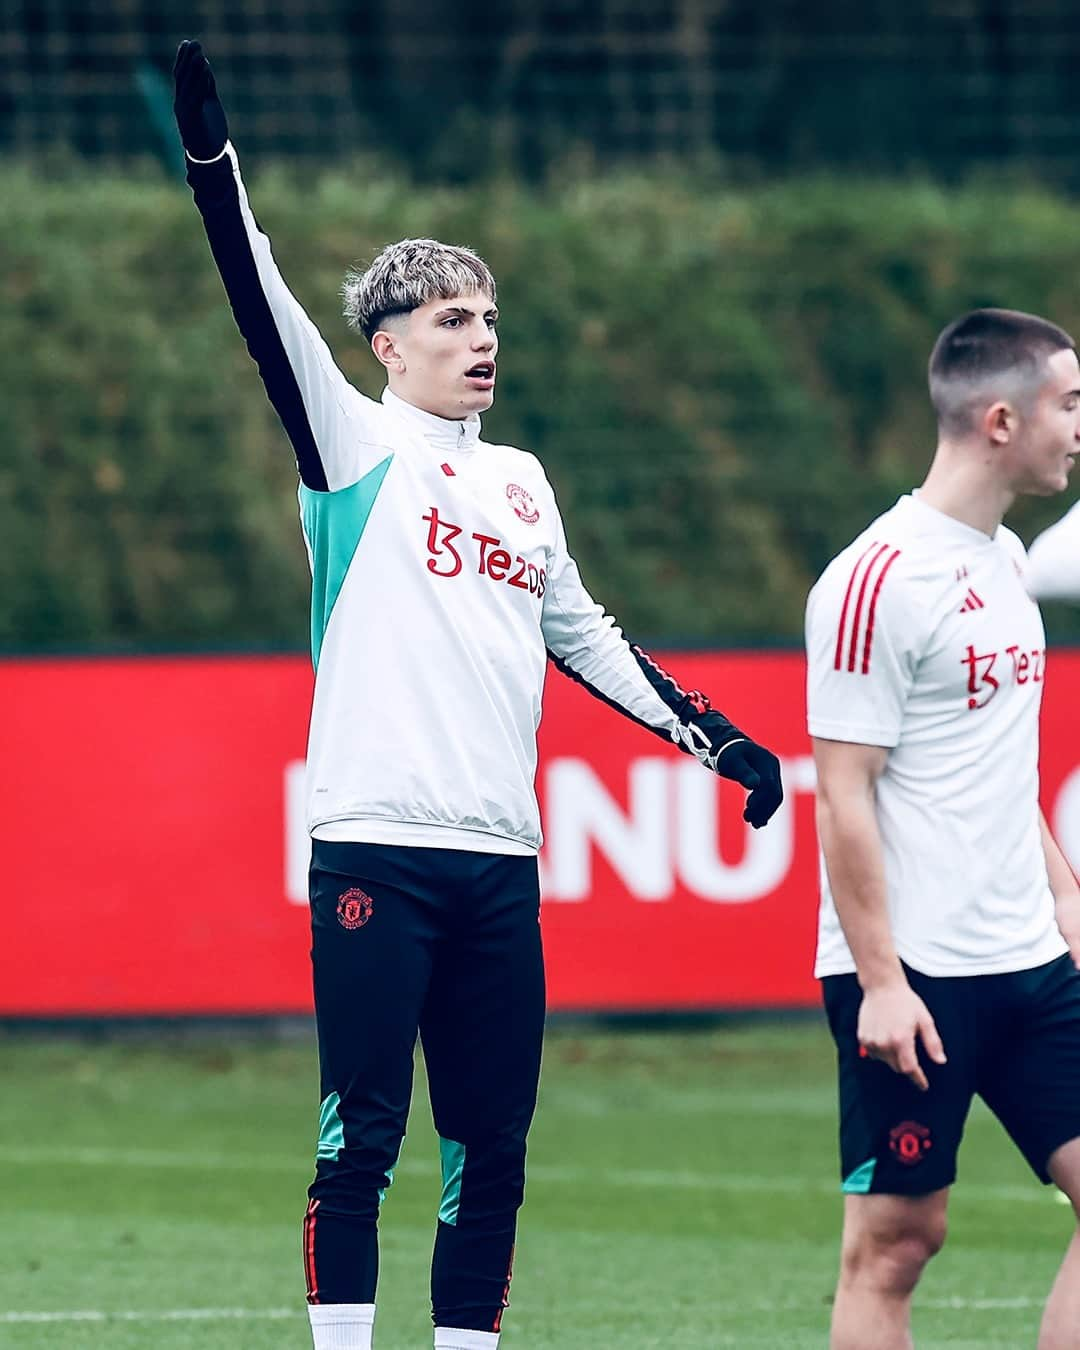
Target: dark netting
{"points": [[466, 89]]}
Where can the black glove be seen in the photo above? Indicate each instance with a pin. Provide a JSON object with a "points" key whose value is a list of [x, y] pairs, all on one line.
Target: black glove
{"points": [[758, 770], [738, 758], [198, 110]]}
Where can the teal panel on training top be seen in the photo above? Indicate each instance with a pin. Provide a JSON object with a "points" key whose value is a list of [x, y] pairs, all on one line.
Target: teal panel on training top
{"points": [[333, 523], [453, 1164], [331, 1130], [859, 1181]]}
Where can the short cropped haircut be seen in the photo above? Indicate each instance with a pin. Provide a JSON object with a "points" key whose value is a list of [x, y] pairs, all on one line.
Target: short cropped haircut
{"points": [[989, 354], [407, 275]]}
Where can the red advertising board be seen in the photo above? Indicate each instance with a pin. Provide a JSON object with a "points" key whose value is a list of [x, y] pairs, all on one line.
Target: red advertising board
{"points": [[153, 843]]}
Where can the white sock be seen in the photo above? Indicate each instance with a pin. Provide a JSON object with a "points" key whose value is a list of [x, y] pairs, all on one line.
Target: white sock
{"points": [[450, 1338], [341, 1326]]}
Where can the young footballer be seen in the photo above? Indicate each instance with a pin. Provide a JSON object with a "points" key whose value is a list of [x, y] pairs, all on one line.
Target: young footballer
{"points": [[441, 587], [950, 922]]}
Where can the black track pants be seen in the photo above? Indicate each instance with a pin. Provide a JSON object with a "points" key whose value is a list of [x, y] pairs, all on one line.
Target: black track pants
{"points": [[447, 943]]}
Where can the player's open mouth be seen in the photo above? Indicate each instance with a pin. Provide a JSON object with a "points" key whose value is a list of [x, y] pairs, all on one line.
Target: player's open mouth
{"points": [[482, 375]]}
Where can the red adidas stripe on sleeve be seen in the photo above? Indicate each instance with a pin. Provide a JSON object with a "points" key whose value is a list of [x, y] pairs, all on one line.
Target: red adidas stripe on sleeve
{"points": [[867, 578], [873, 608]]}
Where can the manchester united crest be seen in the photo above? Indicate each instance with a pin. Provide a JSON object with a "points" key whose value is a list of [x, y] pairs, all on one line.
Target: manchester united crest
{"points": [[354, 908], [910, 1142], [523, 504]]}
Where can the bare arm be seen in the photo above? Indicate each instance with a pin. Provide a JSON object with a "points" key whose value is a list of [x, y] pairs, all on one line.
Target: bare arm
{"points": [[847, 827], [1065, 889], [892, 1015]]}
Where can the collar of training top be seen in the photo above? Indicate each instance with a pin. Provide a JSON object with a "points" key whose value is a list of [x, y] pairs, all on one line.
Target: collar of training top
{"points": [[940, 523], [440, 432]]}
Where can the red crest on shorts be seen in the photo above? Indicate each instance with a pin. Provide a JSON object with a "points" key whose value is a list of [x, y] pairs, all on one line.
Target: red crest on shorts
{"points": [[523, 504], [910, 1142], [354, 908]]}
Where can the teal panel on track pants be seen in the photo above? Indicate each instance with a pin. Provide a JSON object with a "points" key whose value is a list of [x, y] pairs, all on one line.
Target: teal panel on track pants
{"points": [[444, 943]]}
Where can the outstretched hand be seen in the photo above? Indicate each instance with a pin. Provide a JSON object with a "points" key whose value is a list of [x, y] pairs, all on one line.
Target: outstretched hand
{"points": [[198, 110], [758, 770], [709, 739]]}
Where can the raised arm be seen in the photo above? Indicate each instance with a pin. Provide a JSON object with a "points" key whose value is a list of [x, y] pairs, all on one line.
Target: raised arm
{"points": [[315, 402], [587, 644]]}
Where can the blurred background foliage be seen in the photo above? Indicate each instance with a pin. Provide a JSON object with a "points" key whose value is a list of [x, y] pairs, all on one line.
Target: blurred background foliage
{"points": [[724, 383], [726, 233]]}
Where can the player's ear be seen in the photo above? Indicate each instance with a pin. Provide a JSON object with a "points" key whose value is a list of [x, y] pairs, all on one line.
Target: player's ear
{"points": [[999, 423], [387, 352]]}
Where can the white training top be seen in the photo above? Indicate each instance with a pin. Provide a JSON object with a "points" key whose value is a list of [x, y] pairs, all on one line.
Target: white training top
{"points": [[921, 637], [1054, 560], [441, 583], [440, 578]]}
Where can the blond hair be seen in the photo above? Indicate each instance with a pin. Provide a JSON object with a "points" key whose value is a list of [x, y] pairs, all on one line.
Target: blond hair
{"points": [[407, 275]]}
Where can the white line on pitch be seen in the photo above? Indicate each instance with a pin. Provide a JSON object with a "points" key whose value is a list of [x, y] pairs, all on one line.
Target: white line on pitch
{"points": [[286, 1314], [173, 1315]]}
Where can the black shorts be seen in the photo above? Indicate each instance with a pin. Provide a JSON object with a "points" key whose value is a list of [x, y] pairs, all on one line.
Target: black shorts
{"points": [[1014, 1039]]}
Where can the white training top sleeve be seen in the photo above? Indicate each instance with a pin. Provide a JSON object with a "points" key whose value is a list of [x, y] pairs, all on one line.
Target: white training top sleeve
{"points": [[336, 432], [861, 621], [589, 645]]}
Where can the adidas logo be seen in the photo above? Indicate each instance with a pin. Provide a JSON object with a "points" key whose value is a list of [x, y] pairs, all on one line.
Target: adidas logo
{"points": [[971, 601]]}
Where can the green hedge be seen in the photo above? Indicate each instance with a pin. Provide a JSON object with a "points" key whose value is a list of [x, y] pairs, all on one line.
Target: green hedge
{"points": [[724, 385]]}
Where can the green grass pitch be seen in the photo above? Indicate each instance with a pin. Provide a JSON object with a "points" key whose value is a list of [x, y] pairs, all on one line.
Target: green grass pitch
{"points": [[681, 1192]]}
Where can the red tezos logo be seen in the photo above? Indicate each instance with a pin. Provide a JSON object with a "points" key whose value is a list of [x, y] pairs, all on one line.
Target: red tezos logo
{"points": [[910, 1142], [982, 684], [354, 908], [492, 560], [523, 504]]}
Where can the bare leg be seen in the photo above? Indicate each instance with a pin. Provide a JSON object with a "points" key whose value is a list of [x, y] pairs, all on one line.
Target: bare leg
{"points": [[887, 1241], [1060, 1328]]}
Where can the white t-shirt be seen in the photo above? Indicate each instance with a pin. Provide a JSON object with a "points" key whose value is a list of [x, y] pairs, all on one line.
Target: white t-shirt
{"points": [[922, 638], [1054, 560]]}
